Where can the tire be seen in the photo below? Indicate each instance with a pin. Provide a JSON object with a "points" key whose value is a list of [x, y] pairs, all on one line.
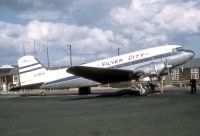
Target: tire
{"points": [[84, 90], [145, 91]]}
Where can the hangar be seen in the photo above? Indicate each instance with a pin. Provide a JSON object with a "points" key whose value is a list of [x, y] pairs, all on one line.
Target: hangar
{"points": [[8, 77]]}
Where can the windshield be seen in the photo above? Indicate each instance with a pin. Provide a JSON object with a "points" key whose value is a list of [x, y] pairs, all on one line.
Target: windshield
{"points": [[177, 49]]}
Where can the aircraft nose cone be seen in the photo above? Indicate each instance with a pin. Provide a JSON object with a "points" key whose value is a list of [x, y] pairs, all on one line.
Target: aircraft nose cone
{"points": [[189, 54], [193, 53]]}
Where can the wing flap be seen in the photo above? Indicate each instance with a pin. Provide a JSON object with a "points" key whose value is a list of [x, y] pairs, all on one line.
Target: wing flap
{"points": [[104, 75]]}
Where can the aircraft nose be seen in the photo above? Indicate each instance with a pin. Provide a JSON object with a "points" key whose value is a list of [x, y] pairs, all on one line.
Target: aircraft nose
{"points": [[191, 54]]}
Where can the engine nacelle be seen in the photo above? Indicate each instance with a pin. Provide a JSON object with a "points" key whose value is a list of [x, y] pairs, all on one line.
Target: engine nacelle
{"points": [[148, 79], [152, 69]]}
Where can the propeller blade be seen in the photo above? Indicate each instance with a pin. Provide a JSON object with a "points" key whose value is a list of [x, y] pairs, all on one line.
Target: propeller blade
{"points": [[167, 68], [170, 76], [182, 69]]}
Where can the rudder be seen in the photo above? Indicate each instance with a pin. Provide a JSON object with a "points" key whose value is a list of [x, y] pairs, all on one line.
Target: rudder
{"points": [[31, 71]]}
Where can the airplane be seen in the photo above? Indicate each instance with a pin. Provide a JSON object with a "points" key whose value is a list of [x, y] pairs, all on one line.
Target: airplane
{"points": [[142, 66]]}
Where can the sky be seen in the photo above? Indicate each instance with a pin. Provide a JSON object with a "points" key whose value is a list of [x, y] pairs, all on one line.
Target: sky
{"points": [[95, 29]]}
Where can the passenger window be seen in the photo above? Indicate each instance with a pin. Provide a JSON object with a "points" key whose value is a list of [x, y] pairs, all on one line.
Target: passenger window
{"points": [[174, 50]]}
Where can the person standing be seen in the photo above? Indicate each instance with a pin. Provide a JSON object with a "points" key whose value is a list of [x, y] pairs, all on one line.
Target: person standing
{"points": [[193, 83], [162, 82]]}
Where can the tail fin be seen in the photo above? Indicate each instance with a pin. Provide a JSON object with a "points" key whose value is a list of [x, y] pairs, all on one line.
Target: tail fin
{"points": [[31, 71]]}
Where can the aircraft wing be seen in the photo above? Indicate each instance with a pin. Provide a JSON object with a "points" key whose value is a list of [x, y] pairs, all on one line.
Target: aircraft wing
{"points": [[104, 75]]}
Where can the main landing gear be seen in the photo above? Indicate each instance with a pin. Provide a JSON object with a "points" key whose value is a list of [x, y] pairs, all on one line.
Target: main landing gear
{"points": [[84, 90], [43, 93], [141, 89]]}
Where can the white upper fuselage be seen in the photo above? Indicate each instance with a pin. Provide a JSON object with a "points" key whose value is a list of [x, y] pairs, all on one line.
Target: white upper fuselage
{"points": [[133, 56]]}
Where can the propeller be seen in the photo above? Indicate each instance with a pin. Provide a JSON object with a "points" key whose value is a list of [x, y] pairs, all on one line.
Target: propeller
{"points": [[167, 68], [182, 69]]}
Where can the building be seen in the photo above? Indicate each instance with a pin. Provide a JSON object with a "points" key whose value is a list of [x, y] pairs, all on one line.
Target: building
{"points": [[8, 77], [186, 72]]}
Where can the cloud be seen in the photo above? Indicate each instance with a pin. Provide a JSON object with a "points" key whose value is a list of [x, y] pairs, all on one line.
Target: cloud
{"points": [[8, 56], [84, 40], [41, 15], [81, 37], [28, 5], [81, 12], [89, 12], [95, 29], [184, 18], [11, 34], [153, 22]]}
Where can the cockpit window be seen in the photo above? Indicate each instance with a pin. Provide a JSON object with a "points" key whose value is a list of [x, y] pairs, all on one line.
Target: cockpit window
{"points": [[177, 49]]}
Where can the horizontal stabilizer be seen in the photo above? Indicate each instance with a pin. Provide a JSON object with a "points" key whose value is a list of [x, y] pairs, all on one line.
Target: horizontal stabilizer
{"points": [[104, 75], [31, 86]]}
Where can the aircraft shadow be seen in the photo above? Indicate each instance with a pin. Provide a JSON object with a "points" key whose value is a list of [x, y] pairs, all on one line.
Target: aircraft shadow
{"points": [[123, 92]]}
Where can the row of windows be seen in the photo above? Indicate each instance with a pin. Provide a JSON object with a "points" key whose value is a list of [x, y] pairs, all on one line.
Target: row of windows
{"points": [[175, 74], [194, 73]]}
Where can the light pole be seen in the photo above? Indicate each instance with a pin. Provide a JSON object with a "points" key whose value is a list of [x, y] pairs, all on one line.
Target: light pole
{"points": [[34, 47], [118, 51], [24, 52], [70, 51], [47, 55]]}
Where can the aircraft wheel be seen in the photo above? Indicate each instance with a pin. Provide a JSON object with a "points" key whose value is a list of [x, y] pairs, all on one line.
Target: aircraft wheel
{"points": [[144, 91], [43, 93]]}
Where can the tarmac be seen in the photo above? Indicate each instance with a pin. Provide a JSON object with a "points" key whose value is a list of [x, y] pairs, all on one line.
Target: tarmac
{"points": [[106, 112]]}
